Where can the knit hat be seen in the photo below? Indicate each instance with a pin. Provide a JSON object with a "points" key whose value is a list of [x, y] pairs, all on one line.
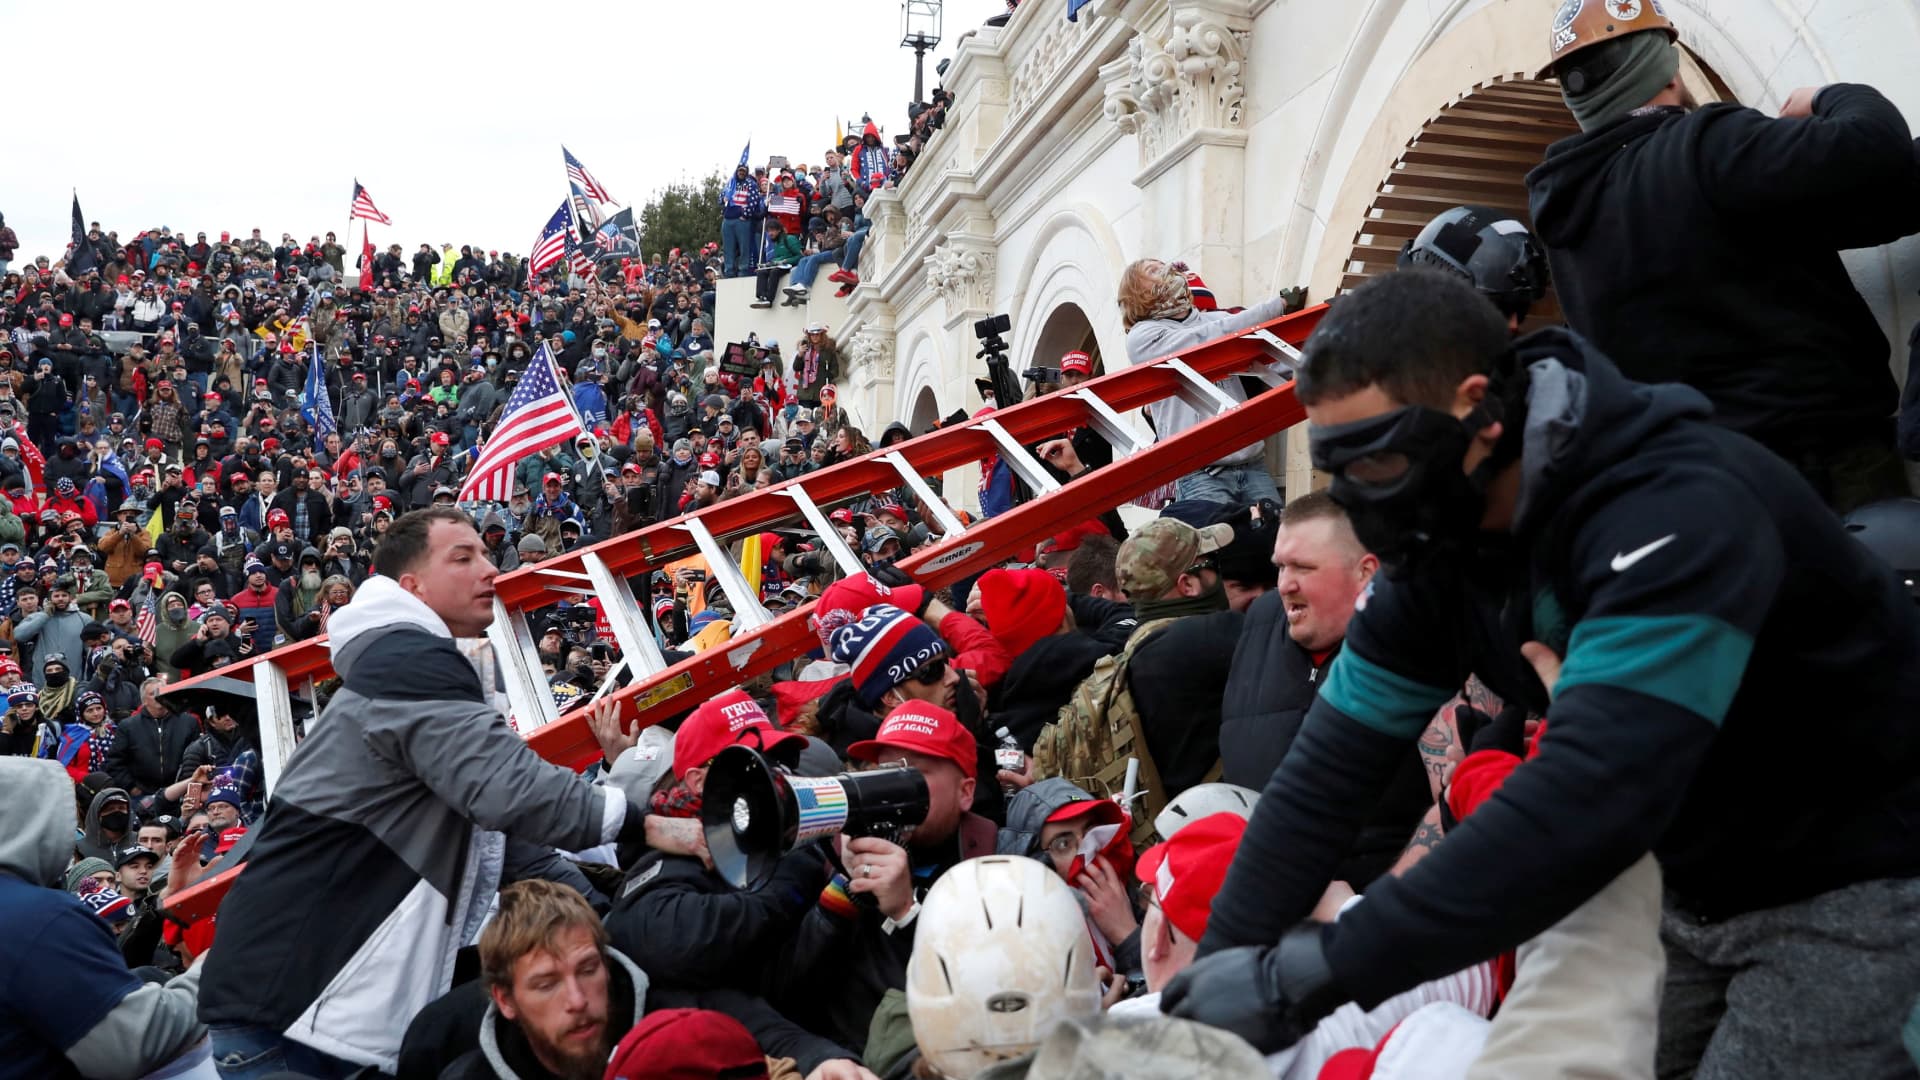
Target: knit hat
{"points": [[884, 647], [921, 727], [229, 795], [1203, 299], [687, 1044], [1021, 606], [109, 904], [721, 721], [1646, 63], [1187, 871], [1160, 551], [83, 870]]}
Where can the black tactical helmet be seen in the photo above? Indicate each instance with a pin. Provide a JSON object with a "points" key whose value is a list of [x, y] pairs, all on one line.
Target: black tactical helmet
{"points": [[1490, 248]]}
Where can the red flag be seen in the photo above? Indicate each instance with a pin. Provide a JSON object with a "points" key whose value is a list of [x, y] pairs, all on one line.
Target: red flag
{"points": [[36, 462], [366, 261]]}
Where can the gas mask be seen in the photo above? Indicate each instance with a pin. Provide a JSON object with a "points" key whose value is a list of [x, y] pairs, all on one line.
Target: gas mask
{"points": [[1399, 476]]}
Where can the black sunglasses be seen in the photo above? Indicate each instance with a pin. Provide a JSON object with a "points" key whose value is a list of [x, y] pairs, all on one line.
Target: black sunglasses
{"points": [[930, 673]]}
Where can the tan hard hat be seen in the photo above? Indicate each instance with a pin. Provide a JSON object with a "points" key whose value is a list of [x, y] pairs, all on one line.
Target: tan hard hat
{"points": [[1580, 23]]}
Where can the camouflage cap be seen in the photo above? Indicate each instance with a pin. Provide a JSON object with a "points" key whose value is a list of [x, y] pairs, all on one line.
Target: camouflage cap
{"points": [[1160, 551]]}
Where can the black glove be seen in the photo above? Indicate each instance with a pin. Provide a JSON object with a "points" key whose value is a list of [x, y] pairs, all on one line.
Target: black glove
{"points": [[1271, 997], [1508, 731]]}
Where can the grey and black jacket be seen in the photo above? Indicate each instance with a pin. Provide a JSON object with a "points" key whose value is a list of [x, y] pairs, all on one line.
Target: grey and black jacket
{"points": [[382, 846]]}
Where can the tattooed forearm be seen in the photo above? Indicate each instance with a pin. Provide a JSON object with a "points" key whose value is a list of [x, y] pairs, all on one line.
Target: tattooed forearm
{"points": [[1425, 838], [1440, 748]]}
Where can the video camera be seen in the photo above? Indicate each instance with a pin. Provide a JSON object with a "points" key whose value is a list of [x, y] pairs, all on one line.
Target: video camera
{"points": [[755, 812]]}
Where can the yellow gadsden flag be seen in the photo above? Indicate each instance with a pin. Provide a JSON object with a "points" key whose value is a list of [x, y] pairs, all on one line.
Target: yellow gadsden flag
{"points": [[155, 528]]}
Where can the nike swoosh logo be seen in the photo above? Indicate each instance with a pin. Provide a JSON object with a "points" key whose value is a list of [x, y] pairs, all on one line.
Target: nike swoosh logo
{"points": [[1622, 562]]}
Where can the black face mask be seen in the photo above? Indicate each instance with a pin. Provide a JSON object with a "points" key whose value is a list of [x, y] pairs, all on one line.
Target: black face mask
{"points": [[1398, 475], [116, 821], [56, 678]]}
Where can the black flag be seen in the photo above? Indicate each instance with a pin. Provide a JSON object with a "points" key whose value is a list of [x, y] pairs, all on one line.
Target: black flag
{"points": [[83, 258]]}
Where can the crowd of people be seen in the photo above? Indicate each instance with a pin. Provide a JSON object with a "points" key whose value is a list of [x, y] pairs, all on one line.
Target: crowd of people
{"points": [[1468, 765]]}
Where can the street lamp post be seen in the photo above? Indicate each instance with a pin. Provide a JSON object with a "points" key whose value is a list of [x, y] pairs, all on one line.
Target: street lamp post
{"points": [[919, 31]]}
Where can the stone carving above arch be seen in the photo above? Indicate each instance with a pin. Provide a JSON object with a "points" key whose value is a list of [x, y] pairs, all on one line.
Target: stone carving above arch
{"points": [[872, 350], [1191, 78], [962, 272]]}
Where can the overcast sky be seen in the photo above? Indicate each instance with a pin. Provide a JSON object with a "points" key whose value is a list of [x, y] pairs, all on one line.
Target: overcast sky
{"points": [[223, 115]]}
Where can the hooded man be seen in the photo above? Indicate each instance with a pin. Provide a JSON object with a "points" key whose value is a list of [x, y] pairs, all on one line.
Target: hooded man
{"points": [[297, 607], [70, 1006], [108, 825], [1650, 217], [172, 630], [411, 782], [1530, 504], [559, 996], [55, 630]]}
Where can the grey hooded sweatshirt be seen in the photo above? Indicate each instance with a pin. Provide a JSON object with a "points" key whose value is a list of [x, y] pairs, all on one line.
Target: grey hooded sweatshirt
{"points": [[94, 844], [68, 1005], [383, 840]]}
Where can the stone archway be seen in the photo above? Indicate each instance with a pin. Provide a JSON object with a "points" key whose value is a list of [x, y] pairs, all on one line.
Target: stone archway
{"points": [[1066, 328], [926, 412], [1476, 150]]}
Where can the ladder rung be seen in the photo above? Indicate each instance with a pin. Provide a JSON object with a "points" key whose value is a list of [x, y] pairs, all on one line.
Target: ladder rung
{"points": [[1196, 390], [274, 702], [611, 683], [1016, 456], [557, 572], [526, 684], [949, 525], [630, 627], [1285, 355], [1109, 424], [843, 555], [748, 612]]}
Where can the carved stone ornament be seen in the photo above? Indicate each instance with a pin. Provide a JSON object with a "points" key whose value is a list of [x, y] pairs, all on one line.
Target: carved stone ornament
{"points": [[1044, 64], [1194, 80], [872, 351], [962, 275]]}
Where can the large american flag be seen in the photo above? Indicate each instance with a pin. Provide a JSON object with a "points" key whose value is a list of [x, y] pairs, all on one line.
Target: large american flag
{"points": [[783, 204], [552, 245], [578, 175], [363, 206], [538, 415]]}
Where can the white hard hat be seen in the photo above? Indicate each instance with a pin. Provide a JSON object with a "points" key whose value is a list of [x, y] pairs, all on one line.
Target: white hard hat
{"points": [[1201, 800], [1001, 955]]}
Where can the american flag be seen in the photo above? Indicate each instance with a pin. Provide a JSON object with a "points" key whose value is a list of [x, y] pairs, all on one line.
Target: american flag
{"points": [[316, 405], [583, 180], [146, 622], [299, 329], [363, 206], [552, 245], [783, 204], [578, 260], [538, 415]]}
